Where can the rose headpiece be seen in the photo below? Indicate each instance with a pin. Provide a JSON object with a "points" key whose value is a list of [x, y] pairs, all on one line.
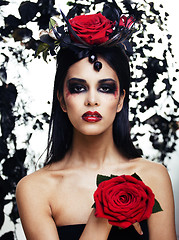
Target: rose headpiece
{"points": [[83, 33]]}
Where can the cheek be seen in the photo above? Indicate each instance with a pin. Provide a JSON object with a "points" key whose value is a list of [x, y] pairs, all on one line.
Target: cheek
{"points": [[71, 100], [110, 103], [67, 93], [111, 99], [116, 93]]}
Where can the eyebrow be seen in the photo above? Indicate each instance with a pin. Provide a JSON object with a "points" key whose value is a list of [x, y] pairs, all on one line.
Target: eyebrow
{"points": [[76, 79], [107, 80], [84, 81]]}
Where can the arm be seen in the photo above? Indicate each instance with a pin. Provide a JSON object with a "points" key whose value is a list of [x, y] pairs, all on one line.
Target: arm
{"points": [[34, 211], [96, 228], [161, 224], [99, 228]]}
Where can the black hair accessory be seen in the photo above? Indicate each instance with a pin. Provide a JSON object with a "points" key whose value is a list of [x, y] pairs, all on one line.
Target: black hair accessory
{"points": [[106, 29], [92, 57], [97, 65]]}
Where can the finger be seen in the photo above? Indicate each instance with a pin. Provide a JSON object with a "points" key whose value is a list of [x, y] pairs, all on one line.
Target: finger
{"points": [[138, 228]]}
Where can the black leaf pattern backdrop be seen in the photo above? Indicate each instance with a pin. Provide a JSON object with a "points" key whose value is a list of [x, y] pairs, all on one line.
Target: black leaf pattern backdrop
{"points": [[153, 107]]}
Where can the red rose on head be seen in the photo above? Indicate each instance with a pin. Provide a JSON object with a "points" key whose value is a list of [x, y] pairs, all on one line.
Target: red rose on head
{"points": [[93, 29], [123, 200]]}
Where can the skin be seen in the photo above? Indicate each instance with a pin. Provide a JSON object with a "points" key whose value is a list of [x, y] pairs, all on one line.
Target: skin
{"points": [[62, 193]]}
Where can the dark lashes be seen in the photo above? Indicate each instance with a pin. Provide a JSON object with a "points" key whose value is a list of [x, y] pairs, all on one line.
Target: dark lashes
{"points": [[78, 88], [111, 88]]}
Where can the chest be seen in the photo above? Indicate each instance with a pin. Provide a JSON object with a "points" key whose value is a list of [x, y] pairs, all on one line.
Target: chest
{"points": [[71, 202], [72, 199]]}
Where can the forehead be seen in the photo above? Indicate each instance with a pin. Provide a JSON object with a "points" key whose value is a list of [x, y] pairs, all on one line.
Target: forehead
{"points": [[85, 70]]}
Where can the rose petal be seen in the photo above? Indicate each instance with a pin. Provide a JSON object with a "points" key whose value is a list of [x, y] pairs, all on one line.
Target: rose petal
{"points": [[93, 28]]}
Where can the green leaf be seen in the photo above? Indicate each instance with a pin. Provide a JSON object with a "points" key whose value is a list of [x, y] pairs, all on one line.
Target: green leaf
{"points": [[112, 176], [120, 228], [52, 23], [41, 48], [45, 54], [101, 178], [70, 3], [136, 176], [94, 205], [156, 207], [57, 43]]}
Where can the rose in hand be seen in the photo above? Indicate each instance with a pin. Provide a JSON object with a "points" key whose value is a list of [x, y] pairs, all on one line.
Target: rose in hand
{"points": [[124, 200]]}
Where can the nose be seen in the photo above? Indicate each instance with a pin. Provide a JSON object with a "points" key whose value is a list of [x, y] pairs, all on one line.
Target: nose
{"points": [[92, 98]]}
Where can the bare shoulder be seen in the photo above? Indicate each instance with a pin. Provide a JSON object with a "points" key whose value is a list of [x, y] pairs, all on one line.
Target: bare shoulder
{"points": [[38, 183], [30, 181], [29, 189], [155, 175], [152, 173], [33, 196]]}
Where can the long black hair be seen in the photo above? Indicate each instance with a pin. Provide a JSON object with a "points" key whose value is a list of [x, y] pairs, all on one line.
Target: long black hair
{"points": [[60, 128]]}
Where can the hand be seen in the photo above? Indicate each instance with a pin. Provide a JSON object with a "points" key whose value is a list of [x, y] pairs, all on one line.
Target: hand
{"points": [[138, 228]]}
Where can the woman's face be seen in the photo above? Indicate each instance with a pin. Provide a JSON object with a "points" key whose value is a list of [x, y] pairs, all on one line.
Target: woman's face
{"points": [[90, 98]]}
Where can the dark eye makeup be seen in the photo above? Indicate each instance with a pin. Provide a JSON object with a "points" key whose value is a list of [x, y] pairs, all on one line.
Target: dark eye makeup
{"points": [[76, 88], [108, 88], [76, 85]]}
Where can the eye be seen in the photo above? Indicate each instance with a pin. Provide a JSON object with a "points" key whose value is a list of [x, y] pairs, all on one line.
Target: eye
{"points": [[108, 88], [104, 89], [76, 88], [79, 88]]}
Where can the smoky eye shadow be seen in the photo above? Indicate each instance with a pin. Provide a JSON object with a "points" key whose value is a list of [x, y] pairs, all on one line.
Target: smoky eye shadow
{"points": [[108, 87], [75, 86]]}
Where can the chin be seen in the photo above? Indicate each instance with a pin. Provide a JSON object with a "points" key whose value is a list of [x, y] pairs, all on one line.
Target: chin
{"points": [[93, 130]]}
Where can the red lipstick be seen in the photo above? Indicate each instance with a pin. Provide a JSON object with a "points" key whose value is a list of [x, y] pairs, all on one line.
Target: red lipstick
{"points": [[91, 116]]}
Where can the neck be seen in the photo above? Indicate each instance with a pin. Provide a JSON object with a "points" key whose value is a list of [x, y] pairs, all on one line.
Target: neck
{"points": [[93, 151]]}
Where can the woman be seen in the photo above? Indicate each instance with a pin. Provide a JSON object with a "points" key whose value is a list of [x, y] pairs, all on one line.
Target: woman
{"points": [[89, 135]]}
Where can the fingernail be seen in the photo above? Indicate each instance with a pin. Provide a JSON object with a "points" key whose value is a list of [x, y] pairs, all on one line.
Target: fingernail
{"points": [[141, 233]]}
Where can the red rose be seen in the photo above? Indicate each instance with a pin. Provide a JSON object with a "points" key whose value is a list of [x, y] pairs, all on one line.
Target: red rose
{"points": [[123, 200], [93, 29]]}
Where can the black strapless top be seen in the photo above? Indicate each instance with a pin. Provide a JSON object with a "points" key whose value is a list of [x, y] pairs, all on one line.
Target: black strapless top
{"points": [[73, 232]]}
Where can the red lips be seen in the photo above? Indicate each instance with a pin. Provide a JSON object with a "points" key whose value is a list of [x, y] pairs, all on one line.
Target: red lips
{"points": [[91, 116]]}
